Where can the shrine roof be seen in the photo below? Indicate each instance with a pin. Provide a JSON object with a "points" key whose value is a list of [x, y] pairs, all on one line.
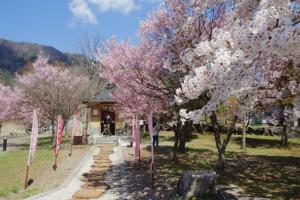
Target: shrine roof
{"points": [[104, 96]]}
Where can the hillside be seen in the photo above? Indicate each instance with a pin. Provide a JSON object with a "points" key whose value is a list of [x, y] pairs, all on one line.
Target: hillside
{"points": [[15, 55]]}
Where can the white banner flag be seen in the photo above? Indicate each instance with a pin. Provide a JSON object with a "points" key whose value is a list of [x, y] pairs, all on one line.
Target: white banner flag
{"points": [[34, 137]]}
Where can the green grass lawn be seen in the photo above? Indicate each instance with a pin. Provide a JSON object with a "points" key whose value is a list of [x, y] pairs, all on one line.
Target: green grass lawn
{"points": [[264, 169], [13, 165]]}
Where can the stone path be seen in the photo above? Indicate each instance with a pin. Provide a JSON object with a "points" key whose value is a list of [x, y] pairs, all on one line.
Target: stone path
{"points": [[98, 176], [94, 183]]}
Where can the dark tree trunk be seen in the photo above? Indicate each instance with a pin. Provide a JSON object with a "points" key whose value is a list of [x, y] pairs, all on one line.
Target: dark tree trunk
{"points": [[177, 131], [221, 146], [284, 137], [175, 147], [53, 140], [64, 127], [186, 134], [244, 137], [200, 128], [181, 146], [221, 160]]}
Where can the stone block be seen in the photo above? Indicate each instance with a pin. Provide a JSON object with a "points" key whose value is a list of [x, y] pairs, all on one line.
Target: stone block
{"points": [[87, 194], [193, 184]]}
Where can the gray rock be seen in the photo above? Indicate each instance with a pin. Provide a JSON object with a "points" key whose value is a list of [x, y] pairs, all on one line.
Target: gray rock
{"points": [[192, 184]]}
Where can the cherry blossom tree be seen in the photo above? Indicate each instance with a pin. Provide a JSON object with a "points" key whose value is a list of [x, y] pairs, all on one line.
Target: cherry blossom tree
{"points": [[171, 29], [52, 91], [239, 56], [133, 77], [208, 51], [9, 103]]}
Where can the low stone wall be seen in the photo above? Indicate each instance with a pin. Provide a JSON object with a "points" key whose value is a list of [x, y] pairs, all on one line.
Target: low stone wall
{"points": [[272, 130], [13, 129]]}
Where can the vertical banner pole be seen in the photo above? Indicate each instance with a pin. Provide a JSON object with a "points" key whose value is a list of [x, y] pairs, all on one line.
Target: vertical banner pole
{"points": [[26, 177], [33, 143], [58, 140]]}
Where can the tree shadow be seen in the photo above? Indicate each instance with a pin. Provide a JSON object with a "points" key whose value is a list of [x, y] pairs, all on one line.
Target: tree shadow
{"points": [[260, 176], [265, 176], [264, 143]]}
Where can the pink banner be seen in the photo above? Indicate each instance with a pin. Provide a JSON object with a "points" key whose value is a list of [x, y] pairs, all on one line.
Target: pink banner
{"points": [[150, 127], [34, 137], [59, 134]]}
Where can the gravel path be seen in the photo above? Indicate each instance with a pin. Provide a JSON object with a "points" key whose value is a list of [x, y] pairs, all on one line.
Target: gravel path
{"points": [[72, 183], [114, 177]]}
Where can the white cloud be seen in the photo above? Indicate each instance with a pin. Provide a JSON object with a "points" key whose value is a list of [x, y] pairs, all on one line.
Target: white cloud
{"points": [[124, 6], [82, 12], [153, 1]]}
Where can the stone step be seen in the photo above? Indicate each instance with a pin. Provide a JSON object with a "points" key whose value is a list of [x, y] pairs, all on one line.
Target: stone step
{"points": [[98, 139], [87, 194]]}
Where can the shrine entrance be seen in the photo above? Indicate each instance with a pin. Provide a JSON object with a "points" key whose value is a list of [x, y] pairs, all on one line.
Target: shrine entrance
{"points": [[99, 107], [104, 115]]}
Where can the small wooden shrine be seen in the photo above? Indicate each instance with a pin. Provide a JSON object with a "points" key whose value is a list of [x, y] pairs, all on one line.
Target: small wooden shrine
{"points": [[99, 107]]}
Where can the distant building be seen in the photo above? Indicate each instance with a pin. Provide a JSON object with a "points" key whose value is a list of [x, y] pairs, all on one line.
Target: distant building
{"points": [[274, 115]]}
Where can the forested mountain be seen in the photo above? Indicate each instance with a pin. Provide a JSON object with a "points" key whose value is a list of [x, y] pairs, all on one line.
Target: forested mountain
{"points": [[15, 55]]}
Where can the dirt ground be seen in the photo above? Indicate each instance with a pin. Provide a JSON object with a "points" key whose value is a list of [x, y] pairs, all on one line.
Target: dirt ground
{"points": [[139, 181]]}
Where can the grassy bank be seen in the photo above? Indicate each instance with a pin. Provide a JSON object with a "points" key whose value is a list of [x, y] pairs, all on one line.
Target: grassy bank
{"points": [[12, 170], [13, 165], [264, 169]]}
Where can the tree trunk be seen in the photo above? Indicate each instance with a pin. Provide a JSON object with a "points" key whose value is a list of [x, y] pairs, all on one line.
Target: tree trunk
{"points": [[175, 147], [64, 131], [221, 160], [221, 146], [201, 129], [205, 119], [53, 141], [245, 128], [182, 140], [186, 134], [284, 137], [0, 127], [244, 137]]}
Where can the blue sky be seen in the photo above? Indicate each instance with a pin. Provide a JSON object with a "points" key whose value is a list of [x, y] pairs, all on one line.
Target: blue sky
{"points": [[61, 23]]}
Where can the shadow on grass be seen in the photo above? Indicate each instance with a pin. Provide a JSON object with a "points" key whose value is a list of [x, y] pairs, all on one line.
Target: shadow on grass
{"points": [[14, 145], [274, 177], [262, 142], [265, 176], [172, 138]]}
